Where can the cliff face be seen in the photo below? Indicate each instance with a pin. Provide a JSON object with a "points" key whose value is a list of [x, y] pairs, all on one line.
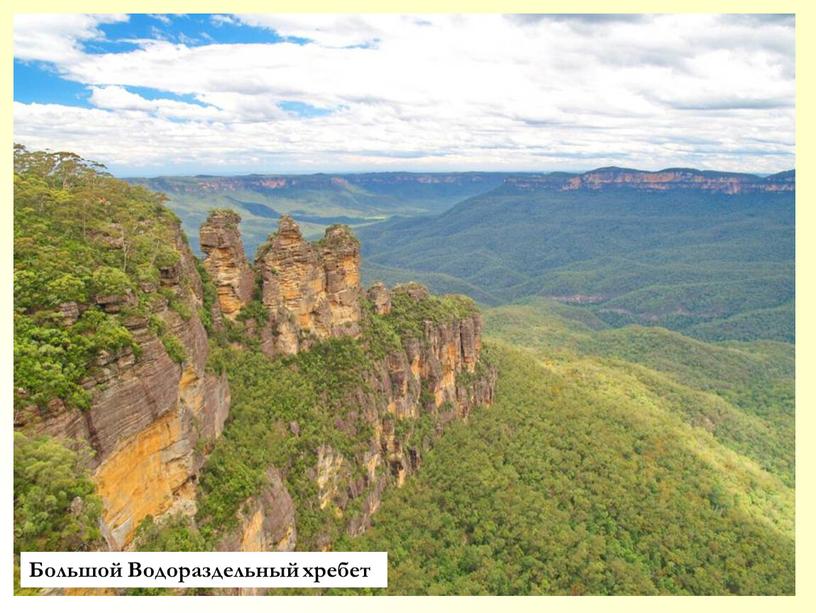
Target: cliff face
{"points": [[225, 261], [662, 180], [151, 418], [435, 378], [266, 521], [156, 409], [410, 388], [125, 347], [284, 183], [407, 399], [311, 292]]}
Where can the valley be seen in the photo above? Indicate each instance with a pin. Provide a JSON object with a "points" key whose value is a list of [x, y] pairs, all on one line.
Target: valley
{"points": [[604, 404], [711, 260], [467, 302], [315, 201]]}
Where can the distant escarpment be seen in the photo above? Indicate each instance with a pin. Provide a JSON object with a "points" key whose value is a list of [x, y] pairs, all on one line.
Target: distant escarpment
{"points": [[379, 183], [661, 180]]}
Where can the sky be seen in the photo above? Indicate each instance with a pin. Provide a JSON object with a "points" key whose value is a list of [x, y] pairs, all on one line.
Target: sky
{"points": [[273, 93]]}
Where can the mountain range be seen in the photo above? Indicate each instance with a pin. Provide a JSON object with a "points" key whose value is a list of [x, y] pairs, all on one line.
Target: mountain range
{"points": [[319, 200], [710, 254], [609, 409]]}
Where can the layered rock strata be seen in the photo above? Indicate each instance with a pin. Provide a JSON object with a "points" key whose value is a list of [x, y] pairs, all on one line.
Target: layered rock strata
{"points": [[310, 291], [155, 414], [151, 418], [409, 396], [436, 377], [266, 521], [225, 261]]}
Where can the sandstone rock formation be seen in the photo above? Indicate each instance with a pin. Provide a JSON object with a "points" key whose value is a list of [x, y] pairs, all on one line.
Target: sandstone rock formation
{"points": [[437, 374], [266, 521], [225, 261], [150, 418], [380, 298], [154, 416], [311, 291]]}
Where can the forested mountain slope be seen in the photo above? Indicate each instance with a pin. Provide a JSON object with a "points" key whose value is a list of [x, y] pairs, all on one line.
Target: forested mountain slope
{"points": [[715, 263], [741, 392], [162, 402], [598, 474], [167, 402]]}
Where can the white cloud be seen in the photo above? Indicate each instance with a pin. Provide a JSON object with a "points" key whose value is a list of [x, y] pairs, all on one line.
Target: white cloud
{"points": [[55, 38], [328, 30], [439, 91], [117, 98]]}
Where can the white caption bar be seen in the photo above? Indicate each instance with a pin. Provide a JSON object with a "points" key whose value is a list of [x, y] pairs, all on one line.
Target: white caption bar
{"points": [[210, 569]]}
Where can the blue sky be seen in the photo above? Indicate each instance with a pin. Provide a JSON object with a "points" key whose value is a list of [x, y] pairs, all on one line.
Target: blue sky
{"points": [[173, 94]]}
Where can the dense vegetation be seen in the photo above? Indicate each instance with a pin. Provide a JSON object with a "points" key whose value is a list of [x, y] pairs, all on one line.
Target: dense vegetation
{"points": [[55, 507], [80, 238], [741, 392], [617, 458], [582, 481], [311, 389], [315, 201], [315, 390], [713, 266]]}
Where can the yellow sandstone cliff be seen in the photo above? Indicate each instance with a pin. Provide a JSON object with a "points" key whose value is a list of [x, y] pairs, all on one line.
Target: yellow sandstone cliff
{"points": [[151, 418], [311, 291], [154, 416], [225, 262]]}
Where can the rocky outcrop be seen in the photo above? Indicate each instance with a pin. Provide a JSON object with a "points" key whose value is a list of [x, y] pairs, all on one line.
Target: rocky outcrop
{"points": [[331, 475], [151, 418], [409, 393], [436, 377], [225, 261], [662, 180], [266, 521], [380, 298], [310, 291], [156, 409]]}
